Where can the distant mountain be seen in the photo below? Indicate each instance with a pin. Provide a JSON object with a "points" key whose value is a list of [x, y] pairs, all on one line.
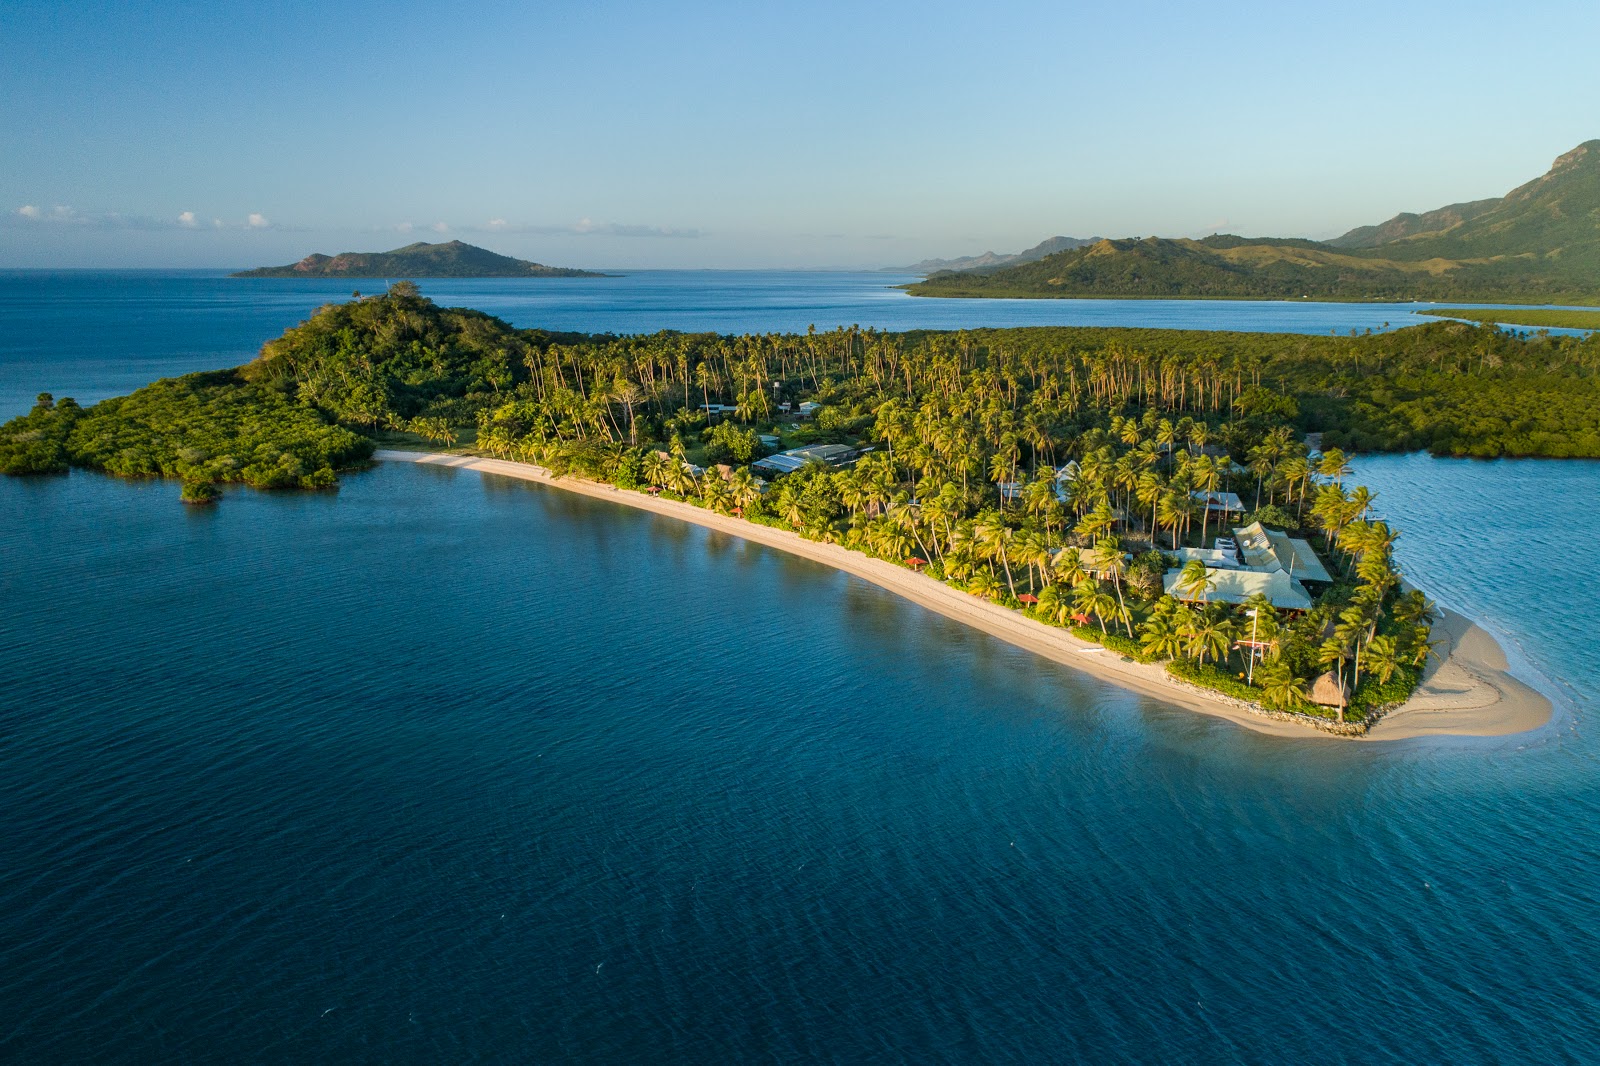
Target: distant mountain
{"points": [[420, 260], [1540, 243], [993, 259]]}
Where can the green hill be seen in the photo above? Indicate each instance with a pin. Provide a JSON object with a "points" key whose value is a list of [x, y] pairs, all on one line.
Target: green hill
{"points": [[420, 260], [1538, 244]]}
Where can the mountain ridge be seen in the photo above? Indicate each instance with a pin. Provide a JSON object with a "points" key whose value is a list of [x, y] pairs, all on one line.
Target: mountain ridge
{"points": [[1048, 246], [1540, 243]]}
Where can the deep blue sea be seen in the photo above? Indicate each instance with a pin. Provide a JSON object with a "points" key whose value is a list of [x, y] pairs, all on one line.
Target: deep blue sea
{"points": [[451, 768]]}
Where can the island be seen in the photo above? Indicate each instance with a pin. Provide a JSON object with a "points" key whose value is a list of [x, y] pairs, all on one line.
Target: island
{"points": [[1170, 510], [1538, 244], [453, 259]]}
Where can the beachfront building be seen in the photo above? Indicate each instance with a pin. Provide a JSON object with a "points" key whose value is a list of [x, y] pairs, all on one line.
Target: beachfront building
{"points": [[1237, 586], [1220, 503], [1213, 558], [837, 455], [1269, 550]]}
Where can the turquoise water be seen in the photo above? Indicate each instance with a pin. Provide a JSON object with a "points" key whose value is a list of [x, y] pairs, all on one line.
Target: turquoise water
{"points": [[444, 767], [93, 334]]}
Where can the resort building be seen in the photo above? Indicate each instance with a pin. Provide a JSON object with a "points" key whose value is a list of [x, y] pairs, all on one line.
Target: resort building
{"points": [[1269, 550], [1237, 586], [788, 462], [1213, 558], [1220, 502]]}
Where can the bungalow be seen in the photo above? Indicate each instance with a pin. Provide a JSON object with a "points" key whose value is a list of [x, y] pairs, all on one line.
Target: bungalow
{"points": [[788, 462], [1237, 586], [807, 409], [1220, 502], [1270, 550]]}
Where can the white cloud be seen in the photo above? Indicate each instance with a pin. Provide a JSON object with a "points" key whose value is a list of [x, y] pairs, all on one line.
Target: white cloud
{"points": [[497, 223], [440, 227], [405, 227], [216, 223], [187, 220], [258, 220], [28, 211]]}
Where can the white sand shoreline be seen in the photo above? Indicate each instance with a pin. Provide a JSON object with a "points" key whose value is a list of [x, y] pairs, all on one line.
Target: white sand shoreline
{"points": [[1470, 693]]}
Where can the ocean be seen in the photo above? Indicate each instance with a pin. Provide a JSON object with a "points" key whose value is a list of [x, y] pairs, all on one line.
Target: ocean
{"points": [[450, 767]]}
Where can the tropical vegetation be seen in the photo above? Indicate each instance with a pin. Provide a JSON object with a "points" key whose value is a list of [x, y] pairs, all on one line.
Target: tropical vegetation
{"points": [[1049, 470], [1536, 318]]}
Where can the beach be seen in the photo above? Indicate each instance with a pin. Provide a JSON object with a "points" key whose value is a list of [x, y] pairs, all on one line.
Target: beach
{"points": [[1467, 691]]}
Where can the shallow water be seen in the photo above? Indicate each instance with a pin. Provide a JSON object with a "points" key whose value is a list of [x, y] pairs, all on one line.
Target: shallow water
{"points": [[446, 767], [93, 334]]}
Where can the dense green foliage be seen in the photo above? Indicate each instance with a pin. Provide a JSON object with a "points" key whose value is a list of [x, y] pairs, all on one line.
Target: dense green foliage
{"points": [[966, 436], [202, 428], [1538, 244], [453, 259], [1533, 317]]}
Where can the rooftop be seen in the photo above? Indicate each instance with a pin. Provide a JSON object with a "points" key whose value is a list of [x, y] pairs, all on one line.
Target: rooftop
{"points": [[1269, 549], [1237, 586], [795, 458]]}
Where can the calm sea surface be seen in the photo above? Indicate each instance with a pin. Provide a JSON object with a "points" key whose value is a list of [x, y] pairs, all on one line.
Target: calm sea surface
{"points": [[443, 767]]}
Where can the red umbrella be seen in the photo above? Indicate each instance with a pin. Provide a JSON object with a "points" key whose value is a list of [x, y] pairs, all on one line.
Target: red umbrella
{"points": [[1027, 597], [916, 562]]}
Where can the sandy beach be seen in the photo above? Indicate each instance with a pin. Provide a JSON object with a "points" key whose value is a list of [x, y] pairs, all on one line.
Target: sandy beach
{"points": [[1469, 692]]}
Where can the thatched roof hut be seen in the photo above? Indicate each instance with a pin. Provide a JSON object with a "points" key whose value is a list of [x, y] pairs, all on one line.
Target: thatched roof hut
{"points": [[1327, 691]]}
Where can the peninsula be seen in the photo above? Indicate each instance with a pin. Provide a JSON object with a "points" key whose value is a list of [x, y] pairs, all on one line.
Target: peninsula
{"points": [[1147, 493], [453, 259], [1540, 243]]}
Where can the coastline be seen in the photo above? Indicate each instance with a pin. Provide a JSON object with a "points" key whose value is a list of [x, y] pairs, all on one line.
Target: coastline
{"points": [[1467, 692]]}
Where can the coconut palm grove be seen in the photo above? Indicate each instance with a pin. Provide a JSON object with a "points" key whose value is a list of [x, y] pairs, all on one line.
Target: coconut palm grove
{"points": [[1095, 479]]}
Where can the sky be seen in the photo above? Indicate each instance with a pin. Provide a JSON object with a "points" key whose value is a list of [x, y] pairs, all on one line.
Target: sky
{"points": [[740, 135]]}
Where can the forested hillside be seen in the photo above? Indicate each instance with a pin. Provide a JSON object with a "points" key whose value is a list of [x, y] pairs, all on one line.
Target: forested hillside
{"points": [[1538, 244]]}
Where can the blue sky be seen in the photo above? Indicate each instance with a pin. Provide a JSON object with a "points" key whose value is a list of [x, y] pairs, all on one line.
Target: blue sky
{"points": [[759, 135]]}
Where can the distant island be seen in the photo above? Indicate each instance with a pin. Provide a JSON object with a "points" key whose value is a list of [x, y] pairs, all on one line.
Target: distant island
{"points": [[1538, 244], [1049, 246], [454, 259]]}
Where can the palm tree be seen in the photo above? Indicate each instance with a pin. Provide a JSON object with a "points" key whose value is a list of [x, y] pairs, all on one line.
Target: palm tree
{"points": [[1108, 561], [714, 493], [984, 584], [1209, 634], [744, 488], [994, 537], [656, 465], [1382, 657], [1208, 479], [1090, 598], [1033, 550], [1334, 466], [1161, 638], [1195, 580], [1068, 566], [1280, 687]]}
